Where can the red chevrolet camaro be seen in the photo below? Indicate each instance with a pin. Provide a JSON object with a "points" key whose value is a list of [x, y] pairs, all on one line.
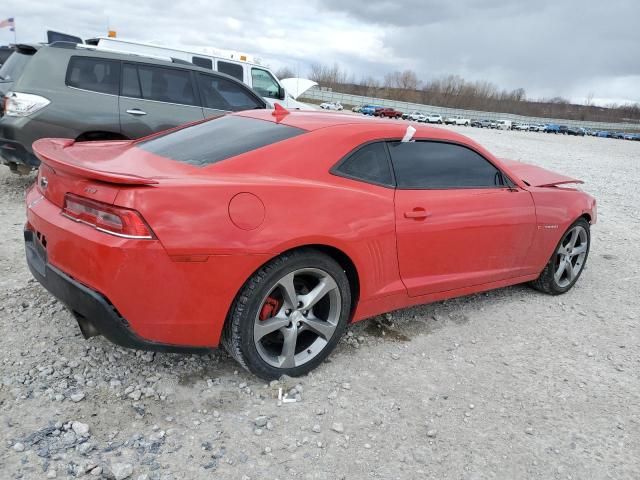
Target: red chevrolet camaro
{"points": [[268, 231]]}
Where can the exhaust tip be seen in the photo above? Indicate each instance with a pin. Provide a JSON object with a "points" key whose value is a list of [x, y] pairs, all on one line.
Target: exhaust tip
{"points": [[86, 326]]}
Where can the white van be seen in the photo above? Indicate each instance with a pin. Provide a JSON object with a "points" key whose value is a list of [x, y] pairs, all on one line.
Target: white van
{"points": [[257, 76], [504, 124]]}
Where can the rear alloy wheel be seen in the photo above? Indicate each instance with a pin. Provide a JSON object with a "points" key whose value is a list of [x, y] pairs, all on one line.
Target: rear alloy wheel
{"points": [[289, 315], [568, 260]]}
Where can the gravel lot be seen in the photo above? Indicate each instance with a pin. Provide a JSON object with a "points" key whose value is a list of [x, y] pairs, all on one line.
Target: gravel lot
{"points": [[511, 384]]}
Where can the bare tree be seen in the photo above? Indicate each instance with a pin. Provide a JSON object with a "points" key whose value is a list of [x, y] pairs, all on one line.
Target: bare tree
{"points": [[456, 92], [327, 76], [285, 72]]}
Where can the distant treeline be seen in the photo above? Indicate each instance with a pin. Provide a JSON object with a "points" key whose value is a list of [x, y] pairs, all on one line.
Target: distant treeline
{"points": [[455, 92]]}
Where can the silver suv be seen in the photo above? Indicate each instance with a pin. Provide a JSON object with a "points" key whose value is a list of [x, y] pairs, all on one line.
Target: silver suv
{"points": [[82, 93]]}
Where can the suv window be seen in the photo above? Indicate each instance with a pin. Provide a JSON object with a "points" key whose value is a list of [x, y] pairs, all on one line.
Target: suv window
{"points": [[438, 165], [171, 85], [369, 164], [264, 83], [232, 69], [203, 62], [223, 94], [130, 82], [215, 140], [95, 74]]}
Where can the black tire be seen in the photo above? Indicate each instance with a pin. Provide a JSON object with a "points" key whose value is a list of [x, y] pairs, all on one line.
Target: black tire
{"points": [[238, 333], [547, 282]]}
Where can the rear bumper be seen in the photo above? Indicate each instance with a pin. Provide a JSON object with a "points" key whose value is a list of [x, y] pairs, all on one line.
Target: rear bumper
{"points": [[163, 299], [94, 312]]}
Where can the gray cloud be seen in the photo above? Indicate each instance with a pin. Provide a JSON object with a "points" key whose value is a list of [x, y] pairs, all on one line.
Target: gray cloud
{"points": [[547, 47]]}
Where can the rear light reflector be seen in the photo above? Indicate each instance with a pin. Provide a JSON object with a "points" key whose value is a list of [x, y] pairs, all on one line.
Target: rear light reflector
{"points": [[118, 221]]}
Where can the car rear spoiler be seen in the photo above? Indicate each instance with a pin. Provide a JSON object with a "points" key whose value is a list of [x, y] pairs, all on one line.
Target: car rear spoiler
{"points": [[51, 151]]}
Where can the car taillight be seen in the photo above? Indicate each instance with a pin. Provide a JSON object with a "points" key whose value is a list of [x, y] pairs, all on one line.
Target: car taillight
{"points": [[106, 218], [23, 104]]}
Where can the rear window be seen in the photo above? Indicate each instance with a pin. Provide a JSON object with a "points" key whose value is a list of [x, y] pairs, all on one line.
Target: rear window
{"points": [[13, 67], [215, 140], [232, 69], [4, 54], [203, 62], [95, 74]]}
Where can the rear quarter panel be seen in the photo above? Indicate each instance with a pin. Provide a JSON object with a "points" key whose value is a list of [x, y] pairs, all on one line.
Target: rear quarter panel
{"points": [[303, 203]]}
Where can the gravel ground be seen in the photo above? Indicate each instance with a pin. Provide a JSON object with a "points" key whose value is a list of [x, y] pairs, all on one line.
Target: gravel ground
{"points": [[510, 384]]}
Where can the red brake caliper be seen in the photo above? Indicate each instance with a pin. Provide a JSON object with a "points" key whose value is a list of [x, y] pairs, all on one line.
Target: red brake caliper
{"points": [[270, 308]]}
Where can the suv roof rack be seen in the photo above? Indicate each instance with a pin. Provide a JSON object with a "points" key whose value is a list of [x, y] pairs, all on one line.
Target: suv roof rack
{"points": [[79, 46]]}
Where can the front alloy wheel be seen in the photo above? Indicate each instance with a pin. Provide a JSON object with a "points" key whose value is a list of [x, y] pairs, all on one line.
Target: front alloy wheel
{"points": [[289, 315], [568, 260]]}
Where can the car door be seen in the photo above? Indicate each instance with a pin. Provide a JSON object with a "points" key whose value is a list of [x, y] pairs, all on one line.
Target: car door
{"points": [[220, 95], [459, 221], [154, 98]]}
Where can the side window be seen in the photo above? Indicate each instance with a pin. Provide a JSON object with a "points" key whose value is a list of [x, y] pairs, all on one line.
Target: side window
{"points": [[437, 165], [170, 85], [264, 83], [95, 74], [130, 82], [203, 62], [233, 69], [222, 94], [369, 164]]}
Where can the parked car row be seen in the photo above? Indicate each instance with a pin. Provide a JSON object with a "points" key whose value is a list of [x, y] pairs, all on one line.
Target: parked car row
{"points": [[551, 128], [420, 117]]}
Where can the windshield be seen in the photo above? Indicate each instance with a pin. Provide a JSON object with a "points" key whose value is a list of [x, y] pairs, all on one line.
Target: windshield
{"points": [[13, 67]]}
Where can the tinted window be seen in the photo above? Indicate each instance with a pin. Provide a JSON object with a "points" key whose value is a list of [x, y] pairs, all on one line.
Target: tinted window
{"points": [[232, 69], [264, 83], [203, 62], [163, 84], [434, 165], [130, 82], [223, 94], [95, 74], [217, 139], [369, 164]]}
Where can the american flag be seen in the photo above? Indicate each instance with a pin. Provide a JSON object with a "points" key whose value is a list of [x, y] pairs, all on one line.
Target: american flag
{"points": [[9, 22]]}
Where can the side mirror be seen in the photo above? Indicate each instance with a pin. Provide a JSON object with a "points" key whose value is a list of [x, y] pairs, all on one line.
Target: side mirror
{"points": [[282, 93]]}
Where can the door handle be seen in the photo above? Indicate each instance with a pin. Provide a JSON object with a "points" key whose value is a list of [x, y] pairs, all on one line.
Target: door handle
{"points": [[417, 213], [136, 111]]}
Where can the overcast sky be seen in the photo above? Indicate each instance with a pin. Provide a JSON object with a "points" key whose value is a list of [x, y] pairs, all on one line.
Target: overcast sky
{"points": [[548, 47]]}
